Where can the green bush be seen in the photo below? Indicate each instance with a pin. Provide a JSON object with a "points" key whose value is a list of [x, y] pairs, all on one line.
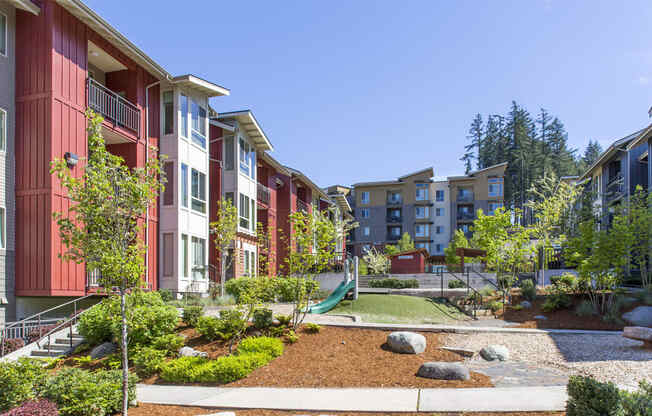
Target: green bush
{"points": [[495, 306], [19, 382], [148, 361], [80, 392], [566, 280], [222, 370], [230, 323], [284, 319], [487, 291], [456, 284], [263, 318], [266, 345], [312, 328], [147, 318], [363, 269], [191, 314], [638, 403], [287, 288], [517, 307], [393, 283], [529, 289], [556, 301], [170, 343], [585, 309], [588, 397], [237, 287], [166, 295]]}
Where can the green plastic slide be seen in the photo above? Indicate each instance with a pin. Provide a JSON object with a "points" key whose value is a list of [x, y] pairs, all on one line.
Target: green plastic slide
{"points": [[333, 299]]}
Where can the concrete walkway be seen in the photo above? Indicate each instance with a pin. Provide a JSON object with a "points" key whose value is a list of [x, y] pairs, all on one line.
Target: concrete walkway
{"points": [[506, 399]]}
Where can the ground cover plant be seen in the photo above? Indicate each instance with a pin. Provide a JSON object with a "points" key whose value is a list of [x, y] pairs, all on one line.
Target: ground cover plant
{"points": [[394, 283]]}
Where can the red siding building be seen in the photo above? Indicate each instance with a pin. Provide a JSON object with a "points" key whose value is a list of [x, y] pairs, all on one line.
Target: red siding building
{"points": [[408, 262]]}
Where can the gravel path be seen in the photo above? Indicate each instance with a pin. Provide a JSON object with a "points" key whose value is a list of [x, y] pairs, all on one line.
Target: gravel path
{"points": [[605, 357]]}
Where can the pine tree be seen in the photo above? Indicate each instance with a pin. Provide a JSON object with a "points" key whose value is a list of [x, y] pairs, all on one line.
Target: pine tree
{"points": [[475, 135], [591, 153]]}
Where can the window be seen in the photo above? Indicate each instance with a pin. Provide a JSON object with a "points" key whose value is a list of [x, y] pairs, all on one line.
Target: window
{"points": [[439, 229], [421, 212], [246, 263], [394, 214], [183, 185], [395, 231], [253, 215], [3, 129], [439, 196], [198, 257], [168, 192], [439, 212], [465, 228], [364, 197], [438, 248], [394, 197], [198, 189], [168, 254], [421, 230], [3, 228], [420, 245], [229, 157], [198, 124], [168, 111], [3, 34], [244, 156], [464, 195], [493, 206], [366, 231], [495, 187], [183, 105], [364, 212], [185, 254], [244, 211], [422, 192]]}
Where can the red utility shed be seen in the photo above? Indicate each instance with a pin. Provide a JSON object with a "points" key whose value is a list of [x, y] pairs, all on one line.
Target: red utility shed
{"points": [[408, 262]]}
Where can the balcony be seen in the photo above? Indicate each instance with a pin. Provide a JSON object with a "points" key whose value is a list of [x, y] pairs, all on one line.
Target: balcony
{"points": [[394, 219], [113, 107], [465, 216], [394, 200], [393, 237], [465, 197], [615, 188], [263, 194], [302, 206], [93, 278]]}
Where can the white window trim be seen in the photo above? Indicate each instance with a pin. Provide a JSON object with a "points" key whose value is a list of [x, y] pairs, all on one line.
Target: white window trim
{"points": [[188, 116], [191, 253], [205, 201], [3, 148], [364, 200], [6, 54], [187, 183], [192, 129], [3, 237]]}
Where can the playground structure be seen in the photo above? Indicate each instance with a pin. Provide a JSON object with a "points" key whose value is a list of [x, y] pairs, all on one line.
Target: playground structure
{"points": [[349, 284]]}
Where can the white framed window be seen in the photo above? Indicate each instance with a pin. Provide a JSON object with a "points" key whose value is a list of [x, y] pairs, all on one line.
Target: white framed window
{"points": [[495, 187], [364, 212], [3, 130], [183, 109], [3, 34], [422, 192], [198, 191], [198, 257], [198, 124], [3, 228], [439, 212], [185, 256], [247, 159], [421, 212], [366, 231], [168, 112], [245, 267], [168, 254], [364, 197], [439, 195], [183, 185], [245, 219], [421, 230], [229, 153]]}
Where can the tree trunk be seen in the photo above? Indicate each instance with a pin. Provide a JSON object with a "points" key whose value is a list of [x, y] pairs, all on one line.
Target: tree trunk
{"points": [[125, 359], [222, 273]]}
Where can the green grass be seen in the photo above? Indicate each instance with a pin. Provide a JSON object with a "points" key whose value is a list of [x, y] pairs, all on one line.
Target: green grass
{"points": [[397, 309]]}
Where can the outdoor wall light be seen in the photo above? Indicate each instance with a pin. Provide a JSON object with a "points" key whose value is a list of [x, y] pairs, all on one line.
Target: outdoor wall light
{"points": [[71, 159]]}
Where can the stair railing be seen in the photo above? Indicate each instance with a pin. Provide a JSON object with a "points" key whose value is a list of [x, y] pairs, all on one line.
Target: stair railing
{"points": [[475, 303]]}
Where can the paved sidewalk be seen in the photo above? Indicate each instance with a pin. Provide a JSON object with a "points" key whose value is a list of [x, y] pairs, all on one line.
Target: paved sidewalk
{"points": [[360, 399]]}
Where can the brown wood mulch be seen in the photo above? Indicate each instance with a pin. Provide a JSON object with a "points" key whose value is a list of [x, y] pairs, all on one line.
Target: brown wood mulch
{"points": [[162, 410], [343, 357], [560, 319]]}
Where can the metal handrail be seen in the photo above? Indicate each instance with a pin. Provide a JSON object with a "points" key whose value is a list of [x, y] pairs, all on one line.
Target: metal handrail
{"points": [[263, 193], [111, 105]]}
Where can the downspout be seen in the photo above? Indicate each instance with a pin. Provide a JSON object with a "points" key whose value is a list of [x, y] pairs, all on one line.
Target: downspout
{"points": [[146, 159]]}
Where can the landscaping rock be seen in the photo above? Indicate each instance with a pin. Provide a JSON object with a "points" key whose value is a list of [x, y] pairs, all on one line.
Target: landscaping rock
{"points": [[640, 316], [495, 352], [191, 352], [639, 333], [526, 304], [540, 317], [461, 351], [444, 371], [104, 349], [406, 342]]}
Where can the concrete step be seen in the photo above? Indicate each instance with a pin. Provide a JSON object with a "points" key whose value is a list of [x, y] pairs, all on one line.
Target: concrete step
{"points": [[58, 347], [45, 353]]}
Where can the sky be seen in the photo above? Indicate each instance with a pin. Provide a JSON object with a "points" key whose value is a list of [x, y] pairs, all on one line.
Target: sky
{"points": [[353, 91]]}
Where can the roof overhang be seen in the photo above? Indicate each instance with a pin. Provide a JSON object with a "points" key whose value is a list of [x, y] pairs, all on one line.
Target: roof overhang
{"points": [[249, 124], [204, 87], [629, 142], [429, 170], [298, 175], [26, 5], [341, 202], [472, 174], [275, 164], [379, 183]]}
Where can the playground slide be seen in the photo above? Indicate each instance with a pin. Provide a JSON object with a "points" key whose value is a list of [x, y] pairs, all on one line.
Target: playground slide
{"points": [[333, 299]]}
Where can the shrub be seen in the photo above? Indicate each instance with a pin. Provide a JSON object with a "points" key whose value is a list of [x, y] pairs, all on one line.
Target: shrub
{"points": [[517, 307], [556, 301], [284, 319], [585, 309], [638, 403], [170, 343], [393, 283], [237, 287], [20, 381], [266, 345], [567, 280], [148, 361], [80, 392], [230, 323], [41, 407], [286, 289], [223, 370], [495, 306], [312, 328], [487, 291], [191, 314], [166, 295], [529, 289], [83, 360], [456, 284], [12, 344], [363, 269], [291, 337], [263, 318], [588, 397]]}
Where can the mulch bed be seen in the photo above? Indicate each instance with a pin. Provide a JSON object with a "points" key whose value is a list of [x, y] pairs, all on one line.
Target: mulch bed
{"points": [[560, 319], [342, 357], [161, 410]]}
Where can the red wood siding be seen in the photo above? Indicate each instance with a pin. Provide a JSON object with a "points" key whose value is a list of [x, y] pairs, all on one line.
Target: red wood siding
{"points": [[214, 190], [408, 263]]}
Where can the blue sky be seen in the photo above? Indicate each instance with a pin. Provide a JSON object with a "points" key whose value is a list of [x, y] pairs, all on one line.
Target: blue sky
{"points": [[351, 91]]}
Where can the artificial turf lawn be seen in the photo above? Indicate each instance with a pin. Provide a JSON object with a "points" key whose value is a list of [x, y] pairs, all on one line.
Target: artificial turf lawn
{"points": [[399, 309]]}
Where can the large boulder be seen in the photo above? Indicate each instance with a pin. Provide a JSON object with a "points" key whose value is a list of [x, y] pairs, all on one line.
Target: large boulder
{"points": [[191, 352], [444, 371], [406, 342], [495, 352], [639, 333], [640, 316], [104, 349]]}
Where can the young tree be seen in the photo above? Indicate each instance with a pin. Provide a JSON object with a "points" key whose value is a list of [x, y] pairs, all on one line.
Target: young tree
{"points": [[377, 261], [266, 248], [224, 231], [459, 241], [404, 244], [105, 219], [637, 220]]}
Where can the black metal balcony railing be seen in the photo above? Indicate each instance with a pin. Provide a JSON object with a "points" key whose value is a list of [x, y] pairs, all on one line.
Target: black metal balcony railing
{"points": [[113, 107], [615, 188], [465, 216], [394, 200], [263, 194], [394, 219], [465, 197], [393, 237]]}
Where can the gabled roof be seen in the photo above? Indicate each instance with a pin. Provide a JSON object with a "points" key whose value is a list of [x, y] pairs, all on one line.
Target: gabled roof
{"points": [[250, 126], [27, 5], [612, 150], [475, 172], [399, 181], [303, 178], [207, 88], [274, 163], [412, 251], [429, 170]]}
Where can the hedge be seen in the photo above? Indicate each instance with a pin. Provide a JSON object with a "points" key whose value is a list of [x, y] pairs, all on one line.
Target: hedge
{"points": [[393, 283]]}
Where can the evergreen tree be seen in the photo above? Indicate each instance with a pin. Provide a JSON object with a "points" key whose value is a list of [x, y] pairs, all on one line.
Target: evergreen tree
{"points": [[591, 153]]}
